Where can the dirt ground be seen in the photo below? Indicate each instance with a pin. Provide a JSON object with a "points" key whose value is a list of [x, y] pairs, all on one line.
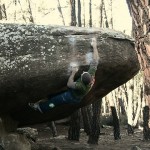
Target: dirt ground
{"points": [[45, 140]]}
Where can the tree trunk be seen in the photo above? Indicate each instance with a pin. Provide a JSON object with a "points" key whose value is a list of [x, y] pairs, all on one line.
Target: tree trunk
{"points": [[146, 129], [30, 11], [23, 16], [122, 106], [130, 108], [73, 12], [139, 11], [4, 11], [15, 3], [84, 13], [101, 13], [1, 13], [74, 129], [95, 124], [60, 11], [90, 13], [111, 19], [115, 124], [87, 118], [79, 13], [139, 101], [113, 105], [106, 18]]}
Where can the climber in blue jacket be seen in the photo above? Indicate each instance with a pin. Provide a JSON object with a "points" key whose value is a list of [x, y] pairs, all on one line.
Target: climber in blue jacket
{"points": [[76, 89]]}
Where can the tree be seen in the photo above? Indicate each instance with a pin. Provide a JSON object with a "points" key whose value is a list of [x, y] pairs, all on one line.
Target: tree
{"points": [[139, 11], [90, 13], [87, 118], [113, 100], [3, 13], [130, 107], [101, 13], [60, 11], [23, 16], [95, 124], [74, 128], [73, 13], [84, 13], [79, 13], [30, 12], [106, 18], [111, 19]]}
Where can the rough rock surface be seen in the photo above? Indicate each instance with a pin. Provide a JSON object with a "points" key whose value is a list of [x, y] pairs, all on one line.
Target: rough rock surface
{"points": [[15, 141], [35, 61], [30, 133]]}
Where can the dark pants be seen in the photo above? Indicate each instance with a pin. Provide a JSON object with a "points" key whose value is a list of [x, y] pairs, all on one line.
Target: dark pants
{"points": [[62, 98]]}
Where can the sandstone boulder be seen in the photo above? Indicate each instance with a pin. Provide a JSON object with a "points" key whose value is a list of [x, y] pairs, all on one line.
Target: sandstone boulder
{"points": [[35, 61]]}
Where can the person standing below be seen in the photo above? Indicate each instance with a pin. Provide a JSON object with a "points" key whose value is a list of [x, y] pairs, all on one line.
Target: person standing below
{"points": [[76, 89]]}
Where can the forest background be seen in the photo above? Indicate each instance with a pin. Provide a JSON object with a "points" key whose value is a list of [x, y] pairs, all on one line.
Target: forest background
{"points": [[111, 14]]}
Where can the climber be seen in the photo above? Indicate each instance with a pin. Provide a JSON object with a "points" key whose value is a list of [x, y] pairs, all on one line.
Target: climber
{"points": [[76, 89]]}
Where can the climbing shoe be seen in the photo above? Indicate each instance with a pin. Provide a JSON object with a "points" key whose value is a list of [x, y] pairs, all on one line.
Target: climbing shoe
{"points": [[33, 106]]}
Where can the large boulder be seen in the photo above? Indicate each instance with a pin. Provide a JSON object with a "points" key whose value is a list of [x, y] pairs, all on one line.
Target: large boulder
{"points": [[35, 61]]}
